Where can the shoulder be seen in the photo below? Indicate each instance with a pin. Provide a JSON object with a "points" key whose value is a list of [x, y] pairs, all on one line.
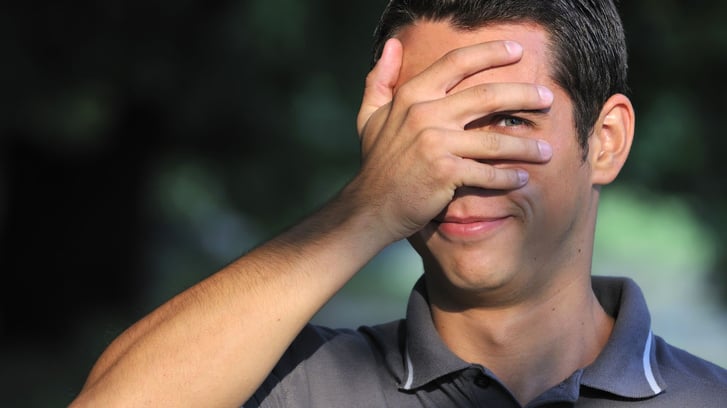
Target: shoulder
{"points": [[689, 375], [331, 367], [323, 343]]}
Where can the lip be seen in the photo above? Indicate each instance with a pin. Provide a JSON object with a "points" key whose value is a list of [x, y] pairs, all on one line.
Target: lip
{"points": [[469, 228]]}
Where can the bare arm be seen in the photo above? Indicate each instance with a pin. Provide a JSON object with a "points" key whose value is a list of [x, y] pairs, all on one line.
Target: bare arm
{"points": [[215, 343]]}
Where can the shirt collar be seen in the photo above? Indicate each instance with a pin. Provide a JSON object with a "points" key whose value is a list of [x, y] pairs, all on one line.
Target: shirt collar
{"points": [[626, 367], [426, 357], [627, 364]]}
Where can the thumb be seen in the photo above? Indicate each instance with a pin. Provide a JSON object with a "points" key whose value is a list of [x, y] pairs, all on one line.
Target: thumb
{"points": [[380, 82]]}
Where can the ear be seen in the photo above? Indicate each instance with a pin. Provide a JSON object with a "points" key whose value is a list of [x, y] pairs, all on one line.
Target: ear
{"points": [[611, 139]]}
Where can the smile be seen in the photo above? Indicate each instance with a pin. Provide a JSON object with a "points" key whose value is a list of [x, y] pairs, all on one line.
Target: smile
{"points": [[469, 228]]}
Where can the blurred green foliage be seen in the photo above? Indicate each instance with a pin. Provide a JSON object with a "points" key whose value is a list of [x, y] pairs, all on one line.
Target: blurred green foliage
{"points": [[677, 57], [145, 144]]}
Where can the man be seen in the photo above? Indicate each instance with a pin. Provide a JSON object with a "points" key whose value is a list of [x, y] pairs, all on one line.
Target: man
{"points": [[487, 130]]}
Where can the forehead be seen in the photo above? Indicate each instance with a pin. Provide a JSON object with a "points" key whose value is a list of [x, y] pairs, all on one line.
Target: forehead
{"points": [[424, 42]]}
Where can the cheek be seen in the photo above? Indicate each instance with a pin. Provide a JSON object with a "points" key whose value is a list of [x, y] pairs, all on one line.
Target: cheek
{"points": [[567, 166], [556, 189]]}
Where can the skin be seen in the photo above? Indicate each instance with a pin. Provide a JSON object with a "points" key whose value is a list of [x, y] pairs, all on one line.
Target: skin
{"points": [[508, 271], [524, 238], [215, 343]]}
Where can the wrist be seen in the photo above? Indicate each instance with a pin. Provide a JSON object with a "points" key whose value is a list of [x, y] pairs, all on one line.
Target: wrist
{"points": [[365, 214]]}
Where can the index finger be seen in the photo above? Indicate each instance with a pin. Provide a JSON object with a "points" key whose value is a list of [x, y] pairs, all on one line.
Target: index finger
{"points": [[455, 66]]}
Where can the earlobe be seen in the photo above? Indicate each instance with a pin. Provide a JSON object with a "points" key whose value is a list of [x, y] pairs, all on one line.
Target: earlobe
{"points": [[611, 139]]}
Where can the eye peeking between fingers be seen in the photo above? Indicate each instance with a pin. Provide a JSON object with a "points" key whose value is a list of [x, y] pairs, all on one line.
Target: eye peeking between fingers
{"points": [[502, 122], [510, 121]]}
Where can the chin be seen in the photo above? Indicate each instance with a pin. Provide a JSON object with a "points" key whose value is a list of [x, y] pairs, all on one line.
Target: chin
{"points": [[494, 266], [474, 275]]}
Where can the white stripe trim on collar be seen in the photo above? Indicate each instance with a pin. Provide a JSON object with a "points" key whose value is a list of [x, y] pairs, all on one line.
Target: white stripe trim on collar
{"points": [[648, 372], [409, 371]]}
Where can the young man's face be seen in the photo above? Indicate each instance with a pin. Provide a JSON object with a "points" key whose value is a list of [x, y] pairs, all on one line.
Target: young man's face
{"points": [[502, 246]]}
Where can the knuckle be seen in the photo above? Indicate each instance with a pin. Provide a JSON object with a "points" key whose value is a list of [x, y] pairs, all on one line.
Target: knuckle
{"points": [[444, 167], [418, 114], [455, 58], [406, 94], [489, 174], [418, 110], [484, 94], [492, 142], [429, 139]]}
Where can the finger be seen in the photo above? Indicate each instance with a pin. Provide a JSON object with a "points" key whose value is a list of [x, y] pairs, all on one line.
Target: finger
{"points": [[451, 69], [481, 101], [380, 82], [485, 100], [485, 145], [481, 175]]}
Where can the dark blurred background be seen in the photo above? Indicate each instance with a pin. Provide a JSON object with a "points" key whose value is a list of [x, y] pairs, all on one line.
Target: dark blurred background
{"points": [[143, 145]]}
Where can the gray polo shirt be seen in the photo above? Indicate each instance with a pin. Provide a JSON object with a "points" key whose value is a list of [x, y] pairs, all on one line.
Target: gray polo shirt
{"points": [[406, 364]]}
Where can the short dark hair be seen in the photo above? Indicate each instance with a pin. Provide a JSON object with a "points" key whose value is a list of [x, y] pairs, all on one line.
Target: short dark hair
{"points": [[587, 42]]}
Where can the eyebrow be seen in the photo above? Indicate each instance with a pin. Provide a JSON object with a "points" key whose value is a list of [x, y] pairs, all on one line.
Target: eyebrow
{"points": [[535, 112]]}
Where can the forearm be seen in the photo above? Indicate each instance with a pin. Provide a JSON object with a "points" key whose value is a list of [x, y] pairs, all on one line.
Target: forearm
{"points": [[215, 343]]}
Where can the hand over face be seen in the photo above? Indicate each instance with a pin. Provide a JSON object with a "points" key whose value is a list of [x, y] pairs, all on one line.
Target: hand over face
{"points": [[415, 146]]}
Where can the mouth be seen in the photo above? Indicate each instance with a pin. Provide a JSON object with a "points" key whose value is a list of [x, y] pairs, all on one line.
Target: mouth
{"points": [[469, 228]]}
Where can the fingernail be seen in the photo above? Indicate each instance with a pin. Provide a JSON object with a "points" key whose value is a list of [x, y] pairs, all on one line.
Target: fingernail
{"points": [[546, 150], [545, 94], [513, 47], [522, 176]]}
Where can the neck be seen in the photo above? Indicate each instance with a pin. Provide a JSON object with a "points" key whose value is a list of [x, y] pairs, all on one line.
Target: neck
{"points": [[534, 345]]}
